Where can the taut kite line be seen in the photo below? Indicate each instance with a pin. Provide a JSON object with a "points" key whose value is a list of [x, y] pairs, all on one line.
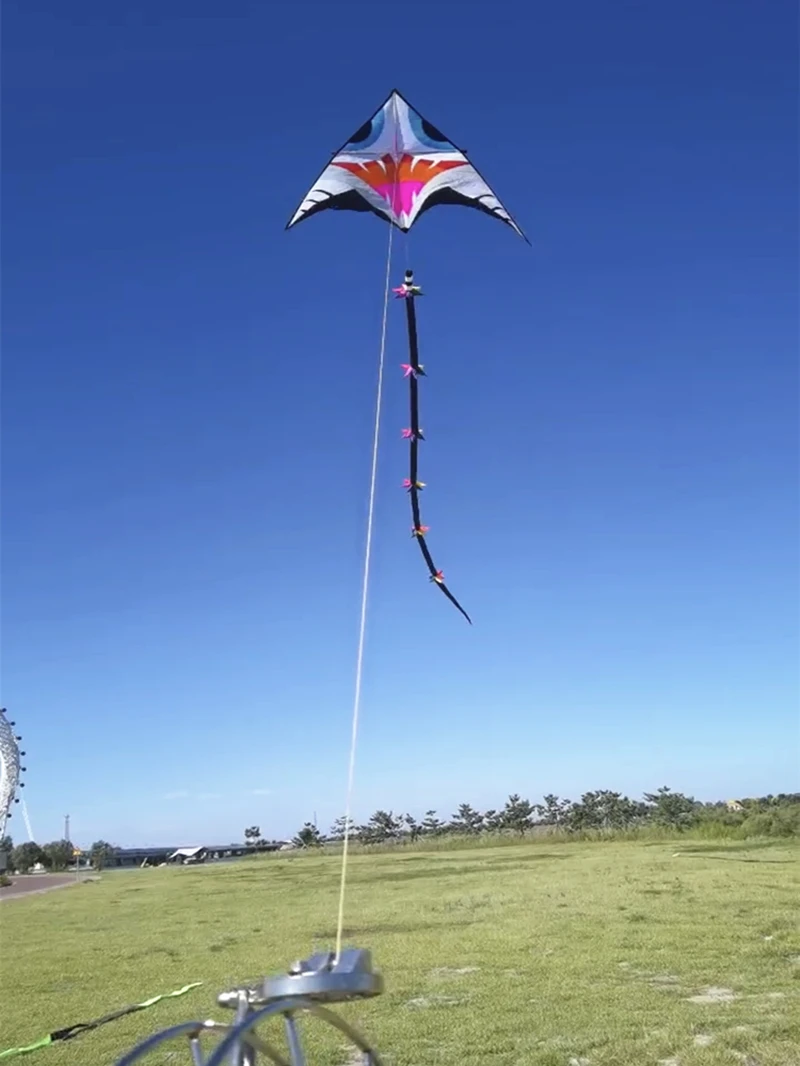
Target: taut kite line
{"points": [[398, 165]]}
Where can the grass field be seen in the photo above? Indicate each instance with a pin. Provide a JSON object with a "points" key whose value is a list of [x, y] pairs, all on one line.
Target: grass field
{"points": [[612, 954]]}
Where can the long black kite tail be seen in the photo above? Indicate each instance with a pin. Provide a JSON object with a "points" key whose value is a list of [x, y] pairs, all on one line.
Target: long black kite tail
{"points": [[414, 370]]}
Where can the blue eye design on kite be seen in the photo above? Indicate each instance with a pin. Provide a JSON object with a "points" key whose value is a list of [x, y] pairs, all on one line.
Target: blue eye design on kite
{"points": [[427, 133], [366, 135]]}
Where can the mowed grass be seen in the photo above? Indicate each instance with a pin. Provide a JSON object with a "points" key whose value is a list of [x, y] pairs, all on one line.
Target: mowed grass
{"points": [[543, 954]]}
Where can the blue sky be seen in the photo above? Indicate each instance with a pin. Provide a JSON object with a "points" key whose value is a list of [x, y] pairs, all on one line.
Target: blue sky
{"points": [[611, 414]]}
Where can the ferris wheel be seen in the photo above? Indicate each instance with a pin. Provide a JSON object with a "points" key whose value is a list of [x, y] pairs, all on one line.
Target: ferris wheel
{"points": [[10, 769]]}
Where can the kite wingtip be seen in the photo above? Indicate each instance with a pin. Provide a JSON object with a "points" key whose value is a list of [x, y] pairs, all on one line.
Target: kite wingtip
{"points": [[522, 234]]}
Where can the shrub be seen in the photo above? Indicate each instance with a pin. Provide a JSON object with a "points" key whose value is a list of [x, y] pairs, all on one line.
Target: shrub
{"points": [[773, 822]]}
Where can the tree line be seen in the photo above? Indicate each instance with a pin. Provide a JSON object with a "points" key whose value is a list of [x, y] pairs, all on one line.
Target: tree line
{"points": [[602, 810], [599, 811], [55, 856]]}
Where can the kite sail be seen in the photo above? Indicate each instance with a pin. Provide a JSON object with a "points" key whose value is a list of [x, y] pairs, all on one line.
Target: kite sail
{"points": [[398, 165]]}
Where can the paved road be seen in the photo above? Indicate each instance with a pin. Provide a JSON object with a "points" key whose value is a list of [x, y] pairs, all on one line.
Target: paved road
{"points": [[30, 883]]}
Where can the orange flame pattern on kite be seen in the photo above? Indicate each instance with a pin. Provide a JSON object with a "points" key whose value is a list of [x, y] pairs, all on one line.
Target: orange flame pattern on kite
{"points": [[400, 182]]}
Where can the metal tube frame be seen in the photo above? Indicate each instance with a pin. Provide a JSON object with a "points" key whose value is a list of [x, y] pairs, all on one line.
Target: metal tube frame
{"points": [[305, 990]]}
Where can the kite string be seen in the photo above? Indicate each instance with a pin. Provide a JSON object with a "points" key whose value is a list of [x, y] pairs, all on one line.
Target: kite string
{"points": [[364, 594]]}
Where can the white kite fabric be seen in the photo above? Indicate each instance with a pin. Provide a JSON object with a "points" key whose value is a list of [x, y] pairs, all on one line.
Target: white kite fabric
{"points": [[9, 769], [398, 165]]}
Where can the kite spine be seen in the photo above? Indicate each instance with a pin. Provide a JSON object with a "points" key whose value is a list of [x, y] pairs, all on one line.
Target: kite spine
{"points": [[413, 371]]}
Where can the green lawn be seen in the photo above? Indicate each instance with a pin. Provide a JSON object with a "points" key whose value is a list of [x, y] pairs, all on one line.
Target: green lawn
{"points": [[543, 954]]}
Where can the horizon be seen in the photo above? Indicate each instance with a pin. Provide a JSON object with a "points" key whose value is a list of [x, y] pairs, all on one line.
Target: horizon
{"points": [[272, 837]]}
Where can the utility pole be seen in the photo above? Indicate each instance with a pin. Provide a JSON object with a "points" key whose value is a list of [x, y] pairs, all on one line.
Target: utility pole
{"points": [[66, 827]]}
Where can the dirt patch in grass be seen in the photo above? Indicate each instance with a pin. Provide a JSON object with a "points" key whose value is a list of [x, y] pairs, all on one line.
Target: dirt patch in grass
{"points": [[713, 994]]}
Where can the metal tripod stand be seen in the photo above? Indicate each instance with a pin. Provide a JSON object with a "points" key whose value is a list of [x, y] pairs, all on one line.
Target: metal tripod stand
{"points": [[309, 987]]}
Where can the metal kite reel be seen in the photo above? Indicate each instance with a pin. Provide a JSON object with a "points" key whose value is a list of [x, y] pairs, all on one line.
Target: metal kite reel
{"points": [[309, 987]]}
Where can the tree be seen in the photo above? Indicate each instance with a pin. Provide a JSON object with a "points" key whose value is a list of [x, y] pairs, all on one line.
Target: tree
{"points": [[583, 814], [492, 821], [308, 837], [57, 854], [432, 825], [604, 809], [6, 848], [671, 808], [517, 814], [382, 826], [339, 826], [413, 828], [467, 820], [25, 856], [252, 835], [101, 853], [553, 811]]}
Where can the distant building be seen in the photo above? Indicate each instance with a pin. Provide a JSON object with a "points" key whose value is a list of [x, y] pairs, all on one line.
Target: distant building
{"points": [[128, 857], [189, 855], [136, 857]]}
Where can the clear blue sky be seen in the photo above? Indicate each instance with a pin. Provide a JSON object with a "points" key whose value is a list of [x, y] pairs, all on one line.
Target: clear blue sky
{"points": [[611, 415]]}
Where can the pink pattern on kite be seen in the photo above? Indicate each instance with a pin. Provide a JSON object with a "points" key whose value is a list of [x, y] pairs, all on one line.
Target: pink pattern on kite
{"points": [[401, 195]]}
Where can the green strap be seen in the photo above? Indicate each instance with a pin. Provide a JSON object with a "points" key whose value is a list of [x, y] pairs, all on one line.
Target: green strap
{"points": [[12, 1051], [169, 995], [74, 1030]]}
